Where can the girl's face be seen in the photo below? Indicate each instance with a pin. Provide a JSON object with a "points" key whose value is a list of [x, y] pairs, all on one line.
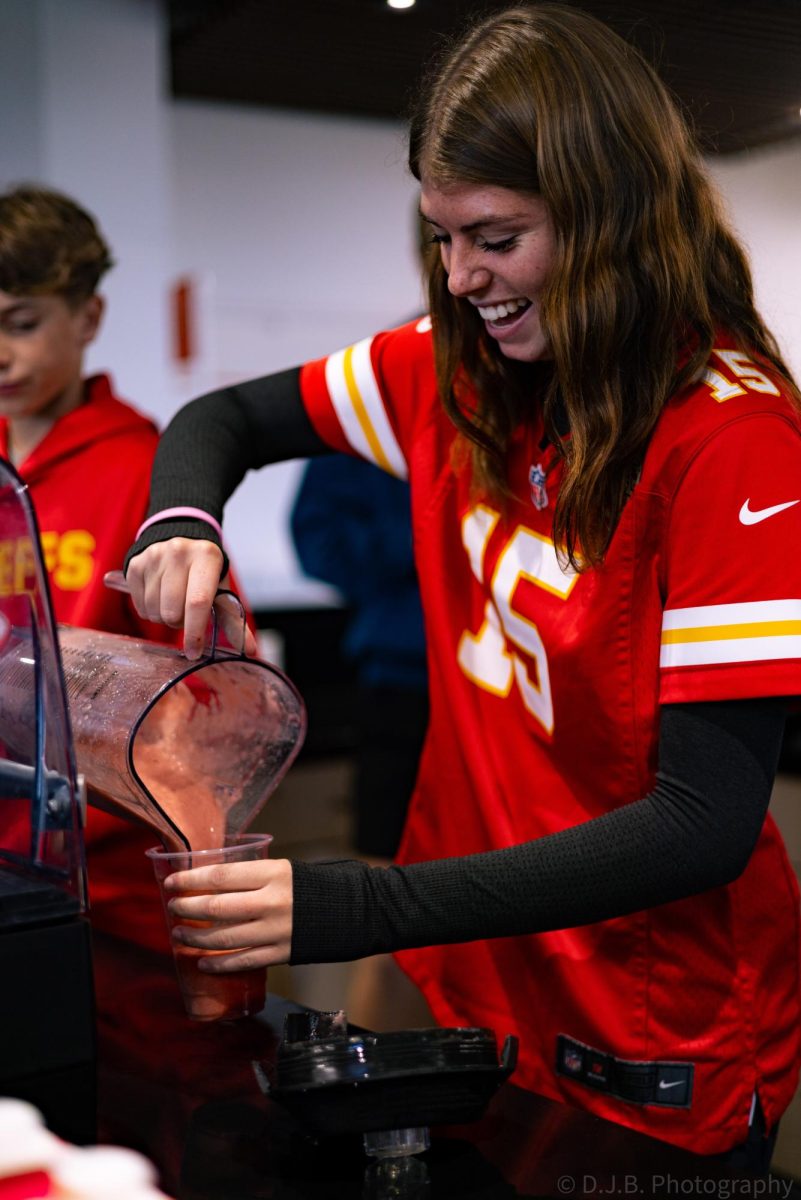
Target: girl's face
{"points": [[498, 249]]}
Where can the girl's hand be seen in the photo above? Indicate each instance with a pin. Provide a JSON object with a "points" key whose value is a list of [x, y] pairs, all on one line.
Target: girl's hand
{"points": [[175, 582], [248, 907]]}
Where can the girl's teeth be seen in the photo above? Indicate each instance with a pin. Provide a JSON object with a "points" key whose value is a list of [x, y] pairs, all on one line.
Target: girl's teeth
{"points": [[494, 312]]}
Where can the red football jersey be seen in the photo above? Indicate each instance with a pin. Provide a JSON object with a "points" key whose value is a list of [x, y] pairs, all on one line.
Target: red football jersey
{"points": [[545, 695]]}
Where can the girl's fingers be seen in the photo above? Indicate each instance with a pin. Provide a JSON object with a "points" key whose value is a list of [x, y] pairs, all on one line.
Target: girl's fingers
{"points": [[231, 877], [244, 960], [135, 579], [144, 579], [203, 568], [175, 582], [237, 947], [245, 909], [228, 935], [151, 597], [220, 908]]}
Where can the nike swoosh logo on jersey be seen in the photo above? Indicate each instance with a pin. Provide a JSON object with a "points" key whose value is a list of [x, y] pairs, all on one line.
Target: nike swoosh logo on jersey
{"points": [[663, 1085], [751, 517]]}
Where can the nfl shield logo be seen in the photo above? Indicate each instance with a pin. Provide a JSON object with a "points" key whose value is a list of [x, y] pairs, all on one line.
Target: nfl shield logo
{"points": [[572, 1060], [536, 478]]}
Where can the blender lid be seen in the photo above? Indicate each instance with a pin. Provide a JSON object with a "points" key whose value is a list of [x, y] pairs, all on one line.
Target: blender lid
{"points": [[370, 1056], [356, 1082]]}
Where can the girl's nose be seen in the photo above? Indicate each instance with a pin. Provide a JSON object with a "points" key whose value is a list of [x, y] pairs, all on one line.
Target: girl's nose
{"points": [[466, 275]]}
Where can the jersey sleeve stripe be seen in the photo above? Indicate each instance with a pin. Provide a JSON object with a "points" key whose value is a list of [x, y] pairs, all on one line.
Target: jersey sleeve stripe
{"points": [[729, 633], [731, 614], [357, 400], [759, 649], [713, 633]]}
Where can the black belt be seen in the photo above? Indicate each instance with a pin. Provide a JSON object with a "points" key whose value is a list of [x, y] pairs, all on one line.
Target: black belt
{"points": [[668, 1084]]}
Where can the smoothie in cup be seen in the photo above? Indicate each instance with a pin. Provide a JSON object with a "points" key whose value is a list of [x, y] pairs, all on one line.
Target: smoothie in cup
{"points": [[212, 997]]}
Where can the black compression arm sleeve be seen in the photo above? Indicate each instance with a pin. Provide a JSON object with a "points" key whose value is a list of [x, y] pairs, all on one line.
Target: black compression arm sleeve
{"points": [[694, 831], [213, 441]]}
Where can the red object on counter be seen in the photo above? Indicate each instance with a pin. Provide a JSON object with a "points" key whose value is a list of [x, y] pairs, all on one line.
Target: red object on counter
{"points": [[27, 1186]]}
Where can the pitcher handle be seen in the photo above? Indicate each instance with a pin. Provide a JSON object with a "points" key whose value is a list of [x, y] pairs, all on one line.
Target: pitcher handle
{"points": [[117, 581], [215, 622]]}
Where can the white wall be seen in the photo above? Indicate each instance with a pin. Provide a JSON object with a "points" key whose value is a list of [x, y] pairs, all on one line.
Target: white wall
{"points": [[300, 231], [762, 191], [305, 222], [82, 96]]}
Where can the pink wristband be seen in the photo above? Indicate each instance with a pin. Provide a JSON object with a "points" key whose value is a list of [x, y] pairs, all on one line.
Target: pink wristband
{"points": [[167, 513]]}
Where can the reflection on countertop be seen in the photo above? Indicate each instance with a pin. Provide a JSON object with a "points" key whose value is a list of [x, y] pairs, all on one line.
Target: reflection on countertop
{"points": [[187, 1096]]}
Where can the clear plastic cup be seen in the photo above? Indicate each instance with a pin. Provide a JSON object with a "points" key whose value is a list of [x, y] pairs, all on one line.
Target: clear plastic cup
{"points": [[212, 997]]}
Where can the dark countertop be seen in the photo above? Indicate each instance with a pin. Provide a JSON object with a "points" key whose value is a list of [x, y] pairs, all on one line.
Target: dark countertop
{"points": [[186, 1095]]}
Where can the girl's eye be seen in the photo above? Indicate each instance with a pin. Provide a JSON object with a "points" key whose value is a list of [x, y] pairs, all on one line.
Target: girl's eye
{"points": [[500, 247], [439, 239]]}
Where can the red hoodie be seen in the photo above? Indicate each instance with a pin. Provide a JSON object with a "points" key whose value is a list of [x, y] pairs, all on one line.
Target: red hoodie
{"points": [[89, 480]]}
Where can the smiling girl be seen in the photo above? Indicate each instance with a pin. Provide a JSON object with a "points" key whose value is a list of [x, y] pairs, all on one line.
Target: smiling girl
{"points": [[587, 859]]}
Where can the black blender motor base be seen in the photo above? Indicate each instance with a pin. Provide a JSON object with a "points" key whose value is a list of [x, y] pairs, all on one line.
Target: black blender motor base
{"points": [[388, 1086], [47, 1021]]}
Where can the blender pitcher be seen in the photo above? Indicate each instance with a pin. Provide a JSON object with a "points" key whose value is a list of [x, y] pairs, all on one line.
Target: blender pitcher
{"points": [[46, 999], [40, 793], [193, 749]]}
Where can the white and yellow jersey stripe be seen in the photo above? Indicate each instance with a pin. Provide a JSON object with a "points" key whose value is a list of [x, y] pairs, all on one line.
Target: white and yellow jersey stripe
{"points": [[356, 397], [731, 633]]}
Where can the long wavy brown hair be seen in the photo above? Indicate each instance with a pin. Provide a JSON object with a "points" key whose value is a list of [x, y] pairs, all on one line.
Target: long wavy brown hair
{"points": [[544, 99]]}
